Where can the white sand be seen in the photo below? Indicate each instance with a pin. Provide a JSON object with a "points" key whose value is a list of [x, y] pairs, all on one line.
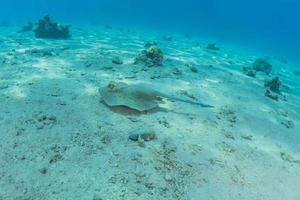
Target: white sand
{"points": [[58, 141]]}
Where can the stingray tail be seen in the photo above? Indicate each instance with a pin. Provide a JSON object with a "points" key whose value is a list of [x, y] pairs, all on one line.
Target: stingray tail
{"points": [[203, 105]]}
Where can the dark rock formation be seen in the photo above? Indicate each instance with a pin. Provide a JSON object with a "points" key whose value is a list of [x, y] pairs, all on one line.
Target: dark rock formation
{"points": [[262, 65], [273, 85], [249, 71], [193, 69], [117, 60], [51, 30], [212, 46], [271, 95]]}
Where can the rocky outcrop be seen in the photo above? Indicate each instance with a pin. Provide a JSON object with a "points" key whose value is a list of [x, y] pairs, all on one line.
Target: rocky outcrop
{"points": [[51, 30]]}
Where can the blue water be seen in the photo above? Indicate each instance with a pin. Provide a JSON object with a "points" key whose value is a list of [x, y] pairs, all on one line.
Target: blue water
{"points": [[273, 26], [102, 116]]}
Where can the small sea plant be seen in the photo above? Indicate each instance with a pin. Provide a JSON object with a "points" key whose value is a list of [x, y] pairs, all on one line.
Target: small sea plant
{"points": [[51, 30]]}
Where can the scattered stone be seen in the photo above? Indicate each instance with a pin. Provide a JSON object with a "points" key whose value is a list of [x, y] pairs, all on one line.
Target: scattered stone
{"points": [[134, 137], [56, 153], [229, 136], [288, 124], [194, 69], [148, 136], [227, 148], [227, 114], [55, 158], [164, 123], [288, 158], [271, 95], [106, 139], [152, 56], [262, 65], [41, 117], [141, 143], [20, 131], [177, 72], [281, 112], [213, 47], [249, 71], [51, 30], [42, 120], [45, 52], [40, 126], [168, 178], [247, 137], [97, 197], [117, 60], [273, 85], [43, 170]]}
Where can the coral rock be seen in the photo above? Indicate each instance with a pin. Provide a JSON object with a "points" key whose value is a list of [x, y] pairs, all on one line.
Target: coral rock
{"points": [[271, 95], [117, 61], [262, 65], [50, 30], [249, 71], [212, 46], [153, 56], [273, 85]]}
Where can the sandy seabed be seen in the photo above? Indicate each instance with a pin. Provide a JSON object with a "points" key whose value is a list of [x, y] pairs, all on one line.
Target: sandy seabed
{"points": [[59, 141]]}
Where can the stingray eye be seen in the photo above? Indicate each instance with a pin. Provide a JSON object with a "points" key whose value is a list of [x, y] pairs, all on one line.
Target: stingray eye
{"points": [[111, 86]]}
